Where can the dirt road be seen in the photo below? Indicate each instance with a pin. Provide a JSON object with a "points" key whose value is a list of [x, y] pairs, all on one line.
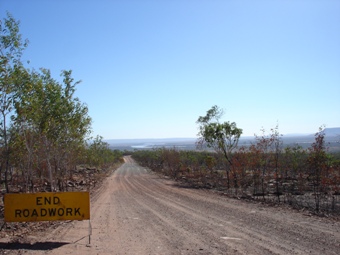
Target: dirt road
{"points": [[137, 212]]}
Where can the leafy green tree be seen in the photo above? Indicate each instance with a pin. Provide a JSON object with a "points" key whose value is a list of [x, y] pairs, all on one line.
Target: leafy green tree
{"points": [[222, 137], [40, 118], [11, 48], [100, 155], [49, 111]]}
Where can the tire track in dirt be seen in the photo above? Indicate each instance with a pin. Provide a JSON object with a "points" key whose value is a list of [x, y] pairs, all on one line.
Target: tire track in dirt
{"points": [[214, 227], [288, 237]]}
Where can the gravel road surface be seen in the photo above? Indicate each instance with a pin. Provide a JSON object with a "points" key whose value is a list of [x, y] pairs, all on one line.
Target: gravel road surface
{"points": [[137, 212]]}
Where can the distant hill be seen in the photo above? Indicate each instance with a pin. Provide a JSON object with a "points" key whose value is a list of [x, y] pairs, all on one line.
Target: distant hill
{"points": [[149, 140], [305, 140], [332, 131], [184, 143]]}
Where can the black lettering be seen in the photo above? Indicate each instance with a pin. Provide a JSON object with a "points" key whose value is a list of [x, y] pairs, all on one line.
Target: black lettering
{"points": [[17, 213], [47, 200], [56, 200], [52, 211], [61, 211], [43, 212], [34, 213], [26, 212], [76, 211], [38, 200], [69, 211]]}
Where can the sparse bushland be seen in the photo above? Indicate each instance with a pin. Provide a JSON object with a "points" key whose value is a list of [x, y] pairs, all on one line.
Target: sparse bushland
{"points": [[45, 142], [264, 171], [291, 178], [44, 128]]}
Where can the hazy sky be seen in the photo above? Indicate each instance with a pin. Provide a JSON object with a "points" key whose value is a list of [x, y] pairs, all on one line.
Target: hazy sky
{"points": [[149, 69]]}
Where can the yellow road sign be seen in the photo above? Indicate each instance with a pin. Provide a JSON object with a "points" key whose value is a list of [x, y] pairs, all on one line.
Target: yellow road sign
{"points": [[47, 206]]}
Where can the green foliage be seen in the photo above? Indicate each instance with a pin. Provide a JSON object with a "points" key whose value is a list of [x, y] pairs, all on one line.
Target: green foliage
{"points": [[100, 155], [41, 120], [11, 43], [47, 111], [222, 137], [302, 178], [11, 47]]}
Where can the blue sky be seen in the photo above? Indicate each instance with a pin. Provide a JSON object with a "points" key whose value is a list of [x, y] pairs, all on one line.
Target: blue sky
{"points": [[149, 69]]}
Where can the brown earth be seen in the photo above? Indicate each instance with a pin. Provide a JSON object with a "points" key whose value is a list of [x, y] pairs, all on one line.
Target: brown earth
{"points": [[137, 212]]}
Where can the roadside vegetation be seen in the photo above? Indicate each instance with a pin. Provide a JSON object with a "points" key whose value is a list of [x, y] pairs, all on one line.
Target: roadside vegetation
{"points": [[265, 170], [45, 130]]}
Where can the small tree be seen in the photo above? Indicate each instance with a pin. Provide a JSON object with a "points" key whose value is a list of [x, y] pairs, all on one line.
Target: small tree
{"points": [[222, 137], [293, 161], [262, 151], [11, 48], [277, 143], [317, 162]]}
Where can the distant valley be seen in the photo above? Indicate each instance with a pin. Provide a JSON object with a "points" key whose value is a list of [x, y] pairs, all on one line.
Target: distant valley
{"points": [[332, 136]]}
